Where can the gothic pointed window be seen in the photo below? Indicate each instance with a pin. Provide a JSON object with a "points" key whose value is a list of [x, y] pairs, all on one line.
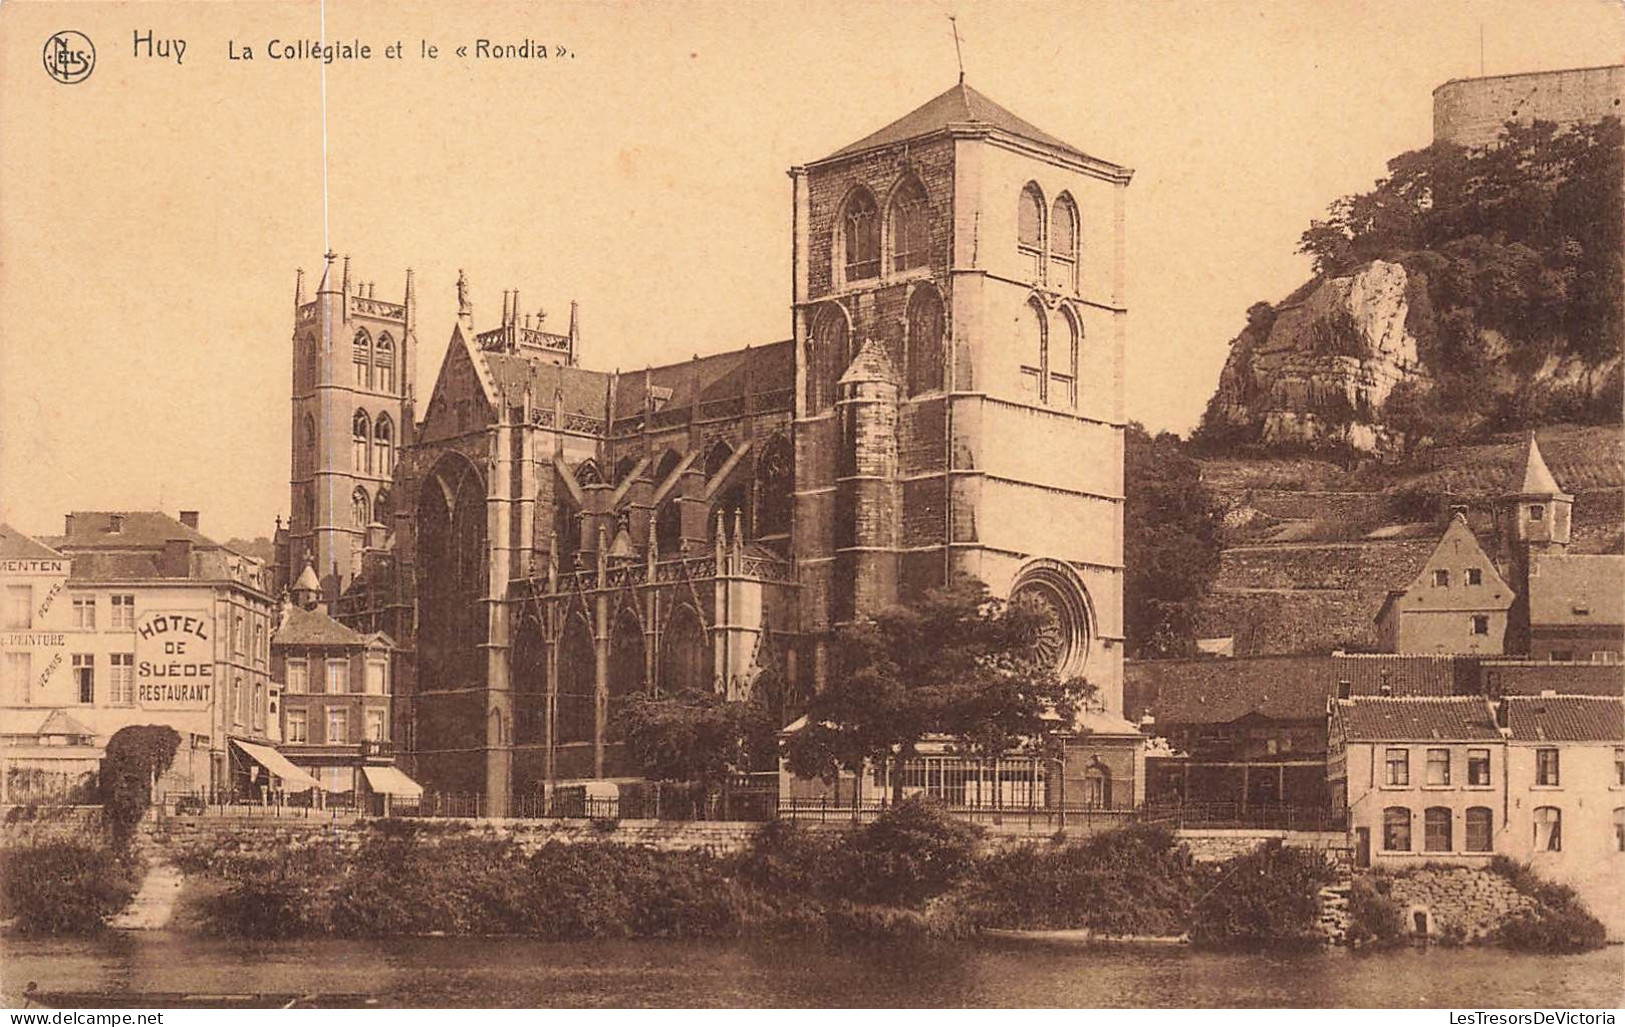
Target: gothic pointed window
{"points": [[1063, 364], [310, 360], [1032, 349], [307, 446], [826, 358], [1063, 244], [361, 507], [775, 487], [909, 218], [383, 446], [860, 235], [363, 360], [383, 359], [925, 331], [1030, 229], [360, 440]]}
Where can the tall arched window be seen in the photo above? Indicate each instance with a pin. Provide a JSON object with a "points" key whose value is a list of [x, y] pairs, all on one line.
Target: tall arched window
{"points": [[1032, 349], [1548, 829], [383, 446], [910, 223], [360, 439], [1063, 367], [1063, 244], [860, 236], [307, 445], [925, 331], [775, 486], [383, 358], [669, 518], [1030, 228], [827, 358], [383, 506], [363, 359], [310, 359], [577, 702], [360, 507]]}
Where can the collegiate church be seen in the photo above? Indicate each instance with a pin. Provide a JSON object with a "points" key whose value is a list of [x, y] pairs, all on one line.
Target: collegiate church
{"points": [[543, 540]]}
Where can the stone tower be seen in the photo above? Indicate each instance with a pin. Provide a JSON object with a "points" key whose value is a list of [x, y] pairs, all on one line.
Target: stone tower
{"points": [[354, 361], [958, 289], [1534, 521]]}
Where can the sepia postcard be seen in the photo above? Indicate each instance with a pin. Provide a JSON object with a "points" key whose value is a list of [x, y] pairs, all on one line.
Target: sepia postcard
{"points": [[1108, 504]]}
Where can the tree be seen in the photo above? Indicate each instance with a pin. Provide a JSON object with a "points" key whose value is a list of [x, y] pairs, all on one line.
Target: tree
{"points": [[696, 736], [955, 663], [136, 757], [1171, 543]]}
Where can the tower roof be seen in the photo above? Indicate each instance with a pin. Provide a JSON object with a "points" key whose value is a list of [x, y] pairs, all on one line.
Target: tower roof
{"points": [[308, 582], [872, 364], [959, 105], [1537, 478]]}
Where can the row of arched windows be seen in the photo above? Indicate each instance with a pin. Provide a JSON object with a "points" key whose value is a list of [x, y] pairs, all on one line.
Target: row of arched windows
{"points": [[372, 444], [922, 364], [1047, 350], [904, 234], [1049, 243], [374, 362], [365, 510]]}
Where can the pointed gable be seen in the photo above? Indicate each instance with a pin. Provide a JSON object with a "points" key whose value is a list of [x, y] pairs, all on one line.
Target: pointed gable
{"points": [[1457, 553]]}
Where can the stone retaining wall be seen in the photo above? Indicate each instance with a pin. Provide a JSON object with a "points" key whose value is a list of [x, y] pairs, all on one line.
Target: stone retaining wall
{"points": [[1460, 903]]}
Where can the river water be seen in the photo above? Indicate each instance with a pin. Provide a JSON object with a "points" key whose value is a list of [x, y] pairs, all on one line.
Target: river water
{"points": [[497, 973]]}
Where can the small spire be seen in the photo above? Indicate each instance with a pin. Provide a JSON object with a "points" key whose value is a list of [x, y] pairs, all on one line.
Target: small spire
{"points": [[505, 294], [298, 288], [515, 316], [1537, 477], [411, 301], [344, 287]]}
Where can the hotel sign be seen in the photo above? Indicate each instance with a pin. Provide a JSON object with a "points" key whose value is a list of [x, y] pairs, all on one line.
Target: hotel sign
{"points": [[174, 660]]}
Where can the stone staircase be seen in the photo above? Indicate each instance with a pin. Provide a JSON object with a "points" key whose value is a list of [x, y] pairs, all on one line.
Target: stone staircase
{"points": [[154, 904], [1334, 911]]}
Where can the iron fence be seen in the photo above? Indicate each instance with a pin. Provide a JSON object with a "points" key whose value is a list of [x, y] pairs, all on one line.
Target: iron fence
{"points": [[1220, 815]]}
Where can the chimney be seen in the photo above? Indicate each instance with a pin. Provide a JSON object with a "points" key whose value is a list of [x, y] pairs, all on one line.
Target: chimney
{"points": [[117, 523], [1345, 689], [189, 518], [177, 558], [67, 524]]}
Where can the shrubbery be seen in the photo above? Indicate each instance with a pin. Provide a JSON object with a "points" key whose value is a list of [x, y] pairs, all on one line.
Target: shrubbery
{"points": [[64, 887], [1270, 894], [1558, 923], [1374, 917]]}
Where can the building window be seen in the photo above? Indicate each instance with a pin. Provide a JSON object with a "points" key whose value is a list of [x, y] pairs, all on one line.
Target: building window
{"points": [[297, 730], [261, 653], [1436, 829], [84, 612], [377, 677], [1032, 348], [375, 726], [123, 612], [1063, 244], [1396, 829], [1063, 366], [860, 236], [383, 356], [360, 439], [828, 358], [910, 226], [121, 679], [1441, 579], [1548, 829], [1480, 828], [1399, 767], [259, 706], [1475, 576], [338, 677], [1537, 513], [307, 448], [1619, 767], [19, 678], [19, 606], [1438, 766], [311, 362], [1619, 828], [1481, 624], [298, 677], [338, 725], [363, 360], [1546, 770], [1030, 228], [84, 676], [239, 634], [1478, 766], [1562, 655], [383, 446], [240, 694], [925, 336], [360, 508]]}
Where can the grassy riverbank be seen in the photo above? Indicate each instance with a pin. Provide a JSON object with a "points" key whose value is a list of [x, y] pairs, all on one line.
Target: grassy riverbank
{"points": [[66, 886]]}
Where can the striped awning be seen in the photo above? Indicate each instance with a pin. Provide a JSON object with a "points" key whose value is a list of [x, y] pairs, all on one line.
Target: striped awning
{"points": [[293, 779], [389, 781]]}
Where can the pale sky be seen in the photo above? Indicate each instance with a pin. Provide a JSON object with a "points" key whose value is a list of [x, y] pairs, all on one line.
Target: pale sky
{"points": [[152, 216]]}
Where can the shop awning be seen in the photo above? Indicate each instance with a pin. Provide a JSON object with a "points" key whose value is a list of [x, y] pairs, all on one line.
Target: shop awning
{"points": [[389, 781], [293, 779]]}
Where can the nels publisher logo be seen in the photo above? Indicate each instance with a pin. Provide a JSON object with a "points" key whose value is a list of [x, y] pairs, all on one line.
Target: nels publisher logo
{"points": [[69, 57]]}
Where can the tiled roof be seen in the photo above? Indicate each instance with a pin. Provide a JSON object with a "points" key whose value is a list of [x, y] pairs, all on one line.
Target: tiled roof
{"points": [[1368, 719], [582, 391], [1531, 677], [14, 545], [1406, 675], [141, 529], [959, 105], [1219, 691], [1549, 718], [1537, 477], [710, 379], [312, 627], [1561, 587]]}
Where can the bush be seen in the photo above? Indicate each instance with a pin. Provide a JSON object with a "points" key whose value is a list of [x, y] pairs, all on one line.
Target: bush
{"points": [[64, 887], [1558, 923], [1374, 918], [915, 851], [1269, 895], [787, 860]]}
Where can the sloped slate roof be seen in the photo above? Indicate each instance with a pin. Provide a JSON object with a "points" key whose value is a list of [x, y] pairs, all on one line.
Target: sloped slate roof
{"points": [[1531, 677], [312, 627], [720, 376], [1537, 477], [959, 105], [1368, 719], [141, 529], [583, 391], [1560, 587], [1219, 691], [14, 545], [1406, 675], [1566, 719]]}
